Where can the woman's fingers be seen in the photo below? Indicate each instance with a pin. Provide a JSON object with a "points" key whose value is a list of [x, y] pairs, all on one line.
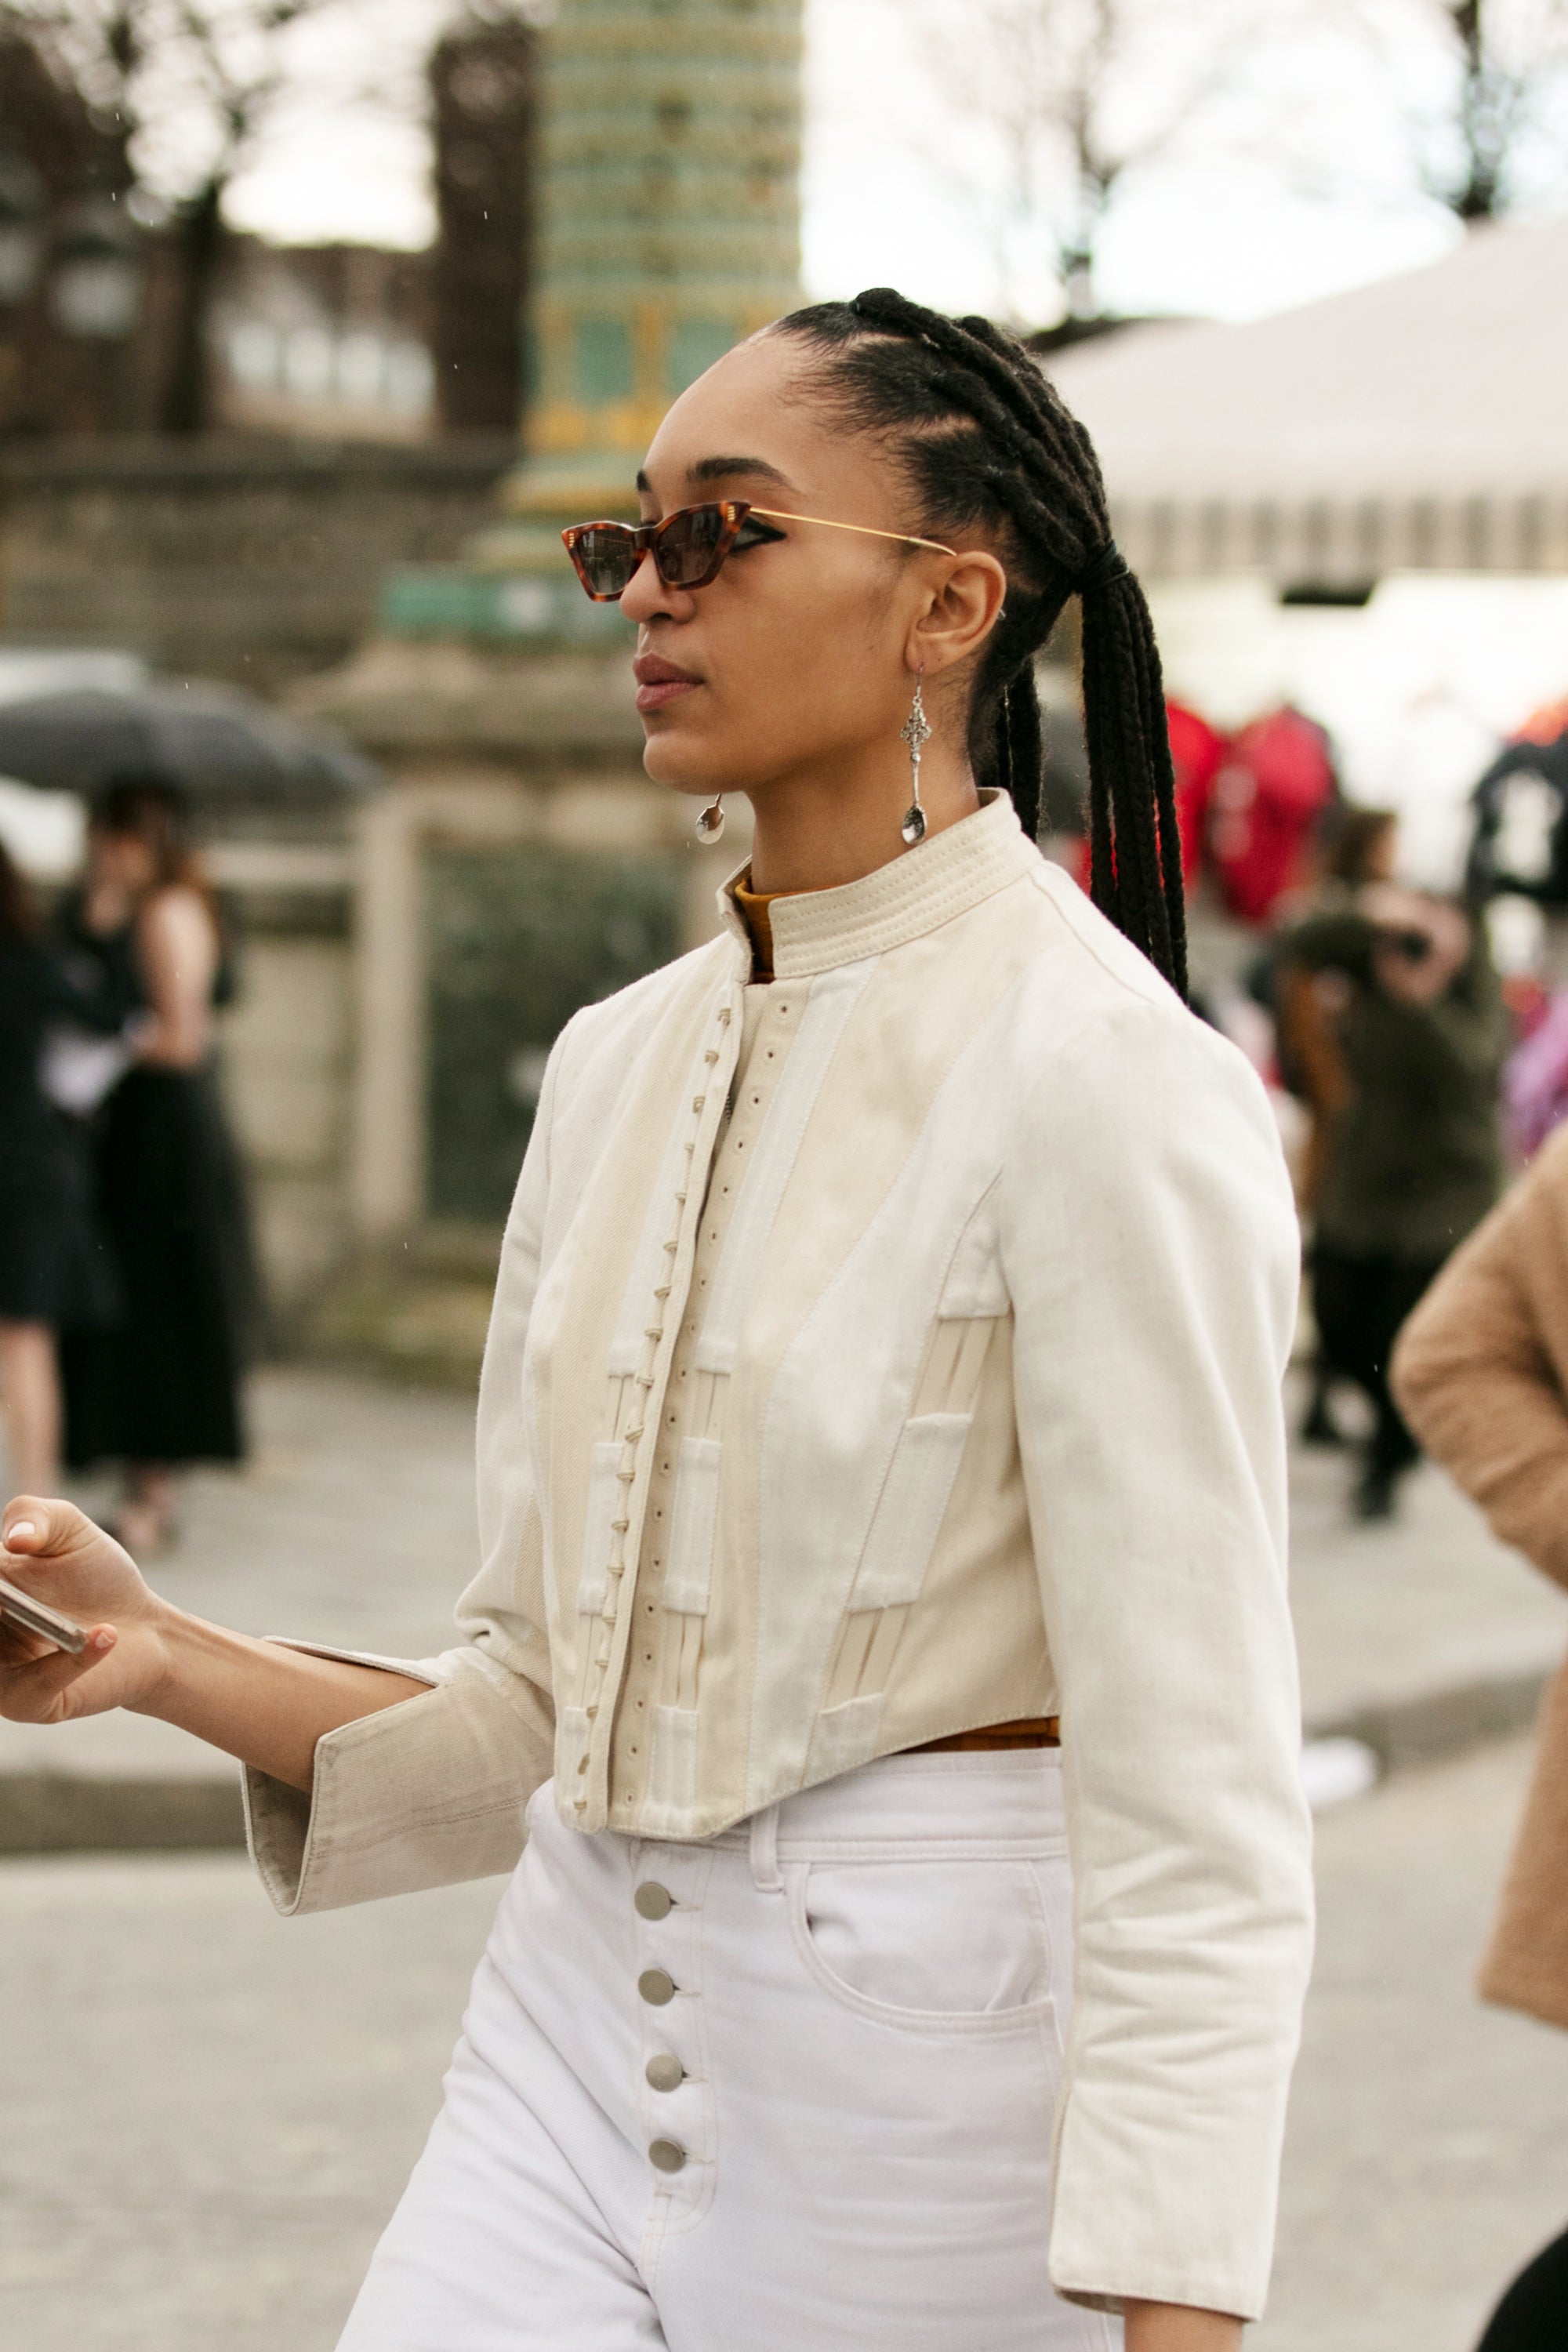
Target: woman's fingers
{"points": [[36, 1689], [38, 1530]]}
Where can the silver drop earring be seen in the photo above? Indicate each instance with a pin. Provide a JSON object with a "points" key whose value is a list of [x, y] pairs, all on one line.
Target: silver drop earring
{"points": [[710, 820], [916, 733]]}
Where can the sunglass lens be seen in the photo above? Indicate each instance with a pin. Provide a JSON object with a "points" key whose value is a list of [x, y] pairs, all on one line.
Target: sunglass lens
{"points": [[606, 558], [686, 549]]}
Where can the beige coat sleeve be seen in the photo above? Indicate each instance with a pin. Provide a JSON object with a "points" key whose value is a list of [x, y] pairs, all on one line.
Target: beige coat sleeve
{"points": [[1478, 1370], [433, 1791]]}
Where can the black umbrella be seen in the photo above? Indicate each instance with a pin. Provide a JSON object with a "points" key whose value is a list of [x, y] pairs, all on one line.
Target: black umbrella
{"points": [[214, 742]]}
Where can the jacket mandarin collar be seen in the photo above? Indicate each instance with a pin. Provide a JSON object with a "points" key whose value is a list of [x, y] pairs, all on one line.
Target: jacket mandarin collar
{"points": [[815, 930]]}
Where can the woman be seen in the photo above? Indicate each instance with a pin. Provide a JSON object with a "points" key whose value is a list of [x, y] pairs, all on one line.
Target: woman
{"points": [[53, 1269], [1481, 1371], [161, 1389], [885, 1364]]}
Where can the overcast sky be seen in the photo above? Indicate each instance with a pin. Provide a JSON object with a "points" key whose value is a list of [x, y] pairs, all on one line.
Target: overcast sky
{"points": [[895, 193]]}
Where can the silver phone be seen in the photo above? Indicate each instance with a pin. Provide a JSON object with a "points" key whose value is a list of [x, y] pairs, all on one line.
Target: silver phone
{"points": [[63, 1631]]}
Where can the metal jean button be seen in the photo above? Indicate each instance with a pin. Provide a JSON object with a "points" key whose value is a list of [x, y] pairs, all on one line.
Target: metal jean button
{"points": [[667, 2155], [656, 1986], [653, 1901], [664, 2072]]}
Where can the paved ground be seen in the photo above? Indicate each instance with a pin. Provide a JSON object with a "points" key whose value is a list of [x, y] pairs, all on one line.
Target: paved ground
{"points": [[208, 2112], [1385, 1615], [1427, 2157]]}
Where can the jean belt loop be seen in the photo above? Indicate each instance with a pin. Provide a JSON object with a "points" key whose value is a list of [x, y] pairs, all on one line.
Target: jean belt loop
{"points": [[765, 1850]]}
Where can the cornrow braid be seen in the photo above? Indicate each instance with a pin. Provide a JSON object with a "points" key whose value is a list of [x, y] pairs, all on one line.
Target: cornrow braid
{"points": [[983, 438]]}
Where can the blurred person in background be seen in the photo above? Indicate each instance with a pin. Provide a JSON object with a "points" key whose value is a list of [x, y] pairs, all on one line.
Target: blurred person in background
{"points": [[1352, 849], [161, 1388], [1410, 1154], [53, 1268], [1481, 1372]]}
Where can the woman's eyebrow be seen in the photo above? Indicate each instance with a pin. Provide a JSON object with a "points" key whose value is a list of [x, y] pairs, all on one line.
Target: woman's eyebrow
{"points": [[719, 470], [708, 470]]}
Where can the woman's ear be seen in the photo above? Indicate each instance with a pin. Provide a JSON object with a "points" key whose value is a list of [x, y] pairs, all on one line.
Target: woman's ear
{"points": [[959, 615]]}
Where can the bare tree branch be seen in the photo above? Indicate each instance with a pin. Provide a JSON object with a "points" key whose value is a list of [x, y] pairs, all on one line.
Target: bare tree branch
{"points": [[1056, 98], [194, 85], [1505, 63]]}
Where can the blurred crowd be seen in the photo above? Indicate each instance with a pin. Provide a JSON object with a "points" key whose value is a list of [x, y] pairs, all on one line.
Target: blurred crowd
{"points": [[126, 1289], [1416, 1040]]}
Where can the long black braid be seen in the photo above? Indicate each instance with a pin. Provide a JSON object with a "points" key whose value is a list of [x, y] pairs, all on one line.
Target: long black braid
{"points": [[984, 439]]}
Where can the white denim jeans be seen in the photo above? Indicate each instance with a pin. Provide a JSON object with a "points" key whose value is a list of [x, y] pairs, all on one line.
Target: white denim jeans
{"points": [[788, 2090]]}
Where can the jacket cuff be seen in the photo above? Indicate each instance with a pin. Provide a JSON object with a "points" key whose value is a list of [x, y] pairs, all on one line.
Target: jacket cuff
{"points": [[381, 1818]]}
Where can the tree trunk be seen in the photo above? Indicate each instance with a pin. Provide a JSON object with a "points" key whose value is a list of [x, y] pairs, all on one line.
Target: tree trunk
{"points": [[187, 406], [1479, 196]]}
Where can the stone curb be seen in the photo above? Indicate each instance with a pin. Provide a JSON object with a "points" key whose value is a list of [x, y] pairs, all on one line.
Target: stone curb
{"points": [[1429, 1725], [71, 1813], [78, 1812]]}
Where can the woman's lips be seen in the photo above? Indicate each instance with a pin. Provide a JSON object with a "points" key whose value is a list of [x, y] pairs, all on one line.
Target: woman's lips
{"points": [[660, 682], [660, 692]]}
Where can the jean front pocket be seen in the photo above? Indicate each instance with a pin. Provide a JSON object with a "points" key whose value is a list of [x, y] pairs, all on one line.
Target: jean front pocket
{"points": [[932, 1944]]}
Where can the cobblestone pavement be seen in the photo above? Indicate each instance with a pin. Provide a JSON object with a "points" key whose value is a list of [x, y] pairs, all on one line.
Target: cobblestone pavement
{"points": [[208, 2112]]}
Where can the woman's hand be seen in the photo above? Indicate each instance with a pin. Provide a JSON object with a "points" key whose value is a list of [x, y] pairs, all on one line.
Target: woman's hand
{"points": [[266, 1704], [1422, 944], [1177, 2327], [52, 1551]]}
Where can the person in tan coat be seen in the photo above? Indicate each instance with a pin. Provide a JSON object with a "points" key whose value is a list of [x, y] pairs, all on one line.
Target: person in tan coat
{"points": [[1481, 1375]]}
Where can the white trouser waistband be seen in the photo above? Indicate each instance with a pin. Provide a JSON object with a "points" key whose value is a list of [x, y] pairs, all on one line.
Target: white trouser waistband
{"points": [[1007, 1804]]}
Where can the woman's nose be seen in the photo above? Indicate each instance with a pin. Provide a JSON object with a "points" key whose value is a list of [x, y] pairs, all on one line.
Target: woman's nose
{"points": [[646, 595]]}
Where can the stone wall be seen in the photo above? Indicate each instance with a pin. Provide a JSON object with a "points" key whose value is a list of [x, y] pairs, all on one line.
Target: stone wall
{"points": [[258, 563]]}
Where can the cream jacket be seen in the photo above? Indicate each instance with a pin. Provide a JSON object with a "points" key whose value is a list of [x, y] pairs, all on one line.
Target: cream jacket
{"points": [[888, 1350]]}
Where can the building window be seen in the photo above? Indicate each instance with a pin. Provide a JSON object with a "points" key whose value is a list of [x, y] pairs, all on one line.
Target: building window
{"points": [[695, 344], [605, 369]]}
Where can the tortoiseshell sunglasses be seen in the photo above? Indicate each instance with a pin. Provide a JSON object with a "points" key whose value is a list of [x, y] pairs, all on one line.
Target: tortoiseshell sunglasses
{"points": [[691, 545]]}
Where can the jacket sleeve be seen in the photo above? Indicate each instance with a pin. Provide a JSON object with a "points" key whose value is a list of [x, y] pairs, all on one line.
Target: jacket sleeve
{"points": [[433, 1791], [1473, 1373], [1150, 1253]]}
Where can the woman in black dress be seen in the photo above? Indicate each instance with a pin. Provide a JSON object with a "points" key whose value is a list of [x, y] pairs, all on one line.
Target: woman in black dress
{"points": [[162, 1388], [53, 1268]]}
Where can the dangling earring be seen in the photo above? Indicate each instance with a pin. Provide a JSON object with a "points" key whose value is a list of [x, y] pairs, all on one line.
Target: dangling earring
{"points": [[710, 820], [916, 733]]}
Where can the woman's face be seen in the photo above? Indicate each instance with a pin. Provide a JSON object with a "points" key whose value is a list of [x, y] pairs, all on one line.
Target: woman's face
{"points": [[802, 654], [120, 861]]}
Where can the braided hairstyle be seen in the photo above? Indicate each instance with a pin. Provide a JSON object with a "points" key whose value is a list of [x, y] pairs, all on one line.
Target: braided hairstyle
{"points": [[984, 440]]}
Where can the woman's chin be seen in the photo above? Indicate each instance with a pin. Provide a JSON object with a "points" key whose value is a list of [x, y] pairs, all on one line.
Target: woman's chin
{"points": [[676, 764]]}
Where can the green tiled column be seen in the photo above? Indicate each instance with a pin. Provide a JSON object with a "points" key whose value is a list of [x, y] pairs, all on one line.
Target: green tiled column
{"points": [[671, 205], [670, 228]]}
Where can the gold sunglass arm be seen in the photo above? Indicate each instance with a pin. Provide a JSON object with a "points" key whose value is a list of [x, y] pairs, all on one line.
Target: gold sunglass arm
{"points": [[904, 537]]}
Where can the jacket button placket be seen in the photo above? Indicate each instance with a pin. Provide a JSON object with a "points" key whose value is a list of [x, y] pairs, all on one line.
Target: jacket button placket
{"points": [[646, 1381]]}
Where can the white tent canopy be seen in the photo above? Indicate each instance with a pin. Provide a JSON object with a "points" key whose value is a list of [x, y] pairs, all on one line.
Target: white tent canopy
{"points": [[1417, 424]]}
